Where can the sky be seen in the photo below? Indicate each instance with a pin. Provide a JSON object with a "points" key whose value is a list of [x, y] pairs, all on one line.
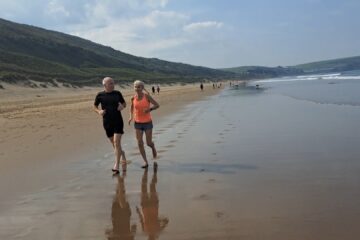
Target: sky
{"points": [[211, 33]]}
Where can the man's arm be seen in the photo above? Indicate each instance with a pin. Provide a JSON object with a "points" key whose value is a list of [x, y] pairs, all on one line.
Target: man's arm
{"points": [[99, 111], [96, 106], [122, 103]]}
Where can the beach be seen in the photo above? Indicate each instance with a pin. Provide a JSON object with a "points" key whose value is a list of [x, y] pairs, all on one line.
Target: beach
{"points": [[234, 163], [42, 128]]}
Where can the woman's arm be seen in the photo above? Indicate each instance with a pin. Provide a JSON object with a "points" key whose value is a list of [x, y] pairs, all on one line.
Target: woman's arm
{"points": [[131, 110], [155, 104]]}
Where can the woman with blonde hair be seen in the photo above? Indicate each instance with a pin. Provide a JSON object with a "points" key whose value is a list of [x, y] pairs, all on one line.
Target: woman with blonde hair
{"points": [[141, 106]]}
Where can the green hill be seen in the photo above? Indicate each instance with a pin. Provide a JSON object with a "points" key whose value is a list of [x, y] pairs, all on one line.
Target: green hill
{"points": [[328, 66], [32, 53], [335, 65], [255, 72]]}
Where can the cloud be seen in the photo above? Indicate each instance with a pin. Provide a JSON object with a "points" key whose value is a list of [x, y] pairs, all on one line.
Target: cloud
{"points": [[140, 27], [192, 27], [157, 3], [56, 8], [141, 35]]}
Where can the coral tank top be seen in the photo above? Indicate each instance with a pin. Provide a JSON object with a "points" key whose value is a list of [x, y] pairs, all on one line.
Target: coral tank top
{"points": [[139, 107]]}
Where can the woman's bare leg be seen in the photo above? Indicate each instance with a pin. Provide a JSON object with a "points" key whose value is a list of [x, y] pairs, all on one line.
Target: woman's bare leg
{"points": [[150, 143], [139, 137]]}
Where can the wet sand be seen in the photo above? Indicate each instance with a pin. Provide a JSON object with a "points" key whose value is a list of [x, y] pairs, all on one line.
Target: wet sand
{"points": [[236, 165]]}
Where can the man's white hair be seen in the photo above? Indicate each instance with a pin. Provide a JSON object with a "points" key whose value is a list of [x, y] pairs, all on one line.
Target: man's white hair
{"points": [[139, 83], [106, 79]]}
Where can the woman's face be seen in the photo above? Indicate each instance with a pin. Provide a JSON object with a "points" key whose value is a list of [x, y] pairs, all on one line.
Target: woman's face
{"points": [[138, 88]]}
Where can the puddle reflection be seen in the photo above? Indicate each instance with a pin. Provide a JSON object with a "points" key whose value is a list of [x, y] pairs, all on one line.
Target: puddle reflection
{"points": [[148, 212], [151, 223]]}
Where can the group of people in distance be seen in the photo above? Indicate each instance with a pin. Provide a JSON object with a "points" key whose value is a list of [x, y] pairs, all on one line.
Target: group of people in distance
{"points": [[112, 103], [157, 89]]}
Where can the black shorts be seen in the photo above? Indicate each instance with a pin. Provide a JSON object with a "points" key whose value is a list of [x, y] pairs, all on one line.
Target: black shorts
{"points": [[112, 127], [143, 126]]}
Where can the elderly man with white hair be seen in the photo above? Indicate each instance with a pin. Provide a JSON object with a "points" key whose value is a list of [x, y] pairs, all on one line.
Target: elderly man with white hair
{"points": [[112, 103]]}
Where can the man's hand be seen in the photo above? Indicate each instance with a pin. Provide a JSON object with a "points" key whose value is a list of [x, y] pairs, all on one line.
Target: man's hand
{"points": [[102, 112], [120, 107]]}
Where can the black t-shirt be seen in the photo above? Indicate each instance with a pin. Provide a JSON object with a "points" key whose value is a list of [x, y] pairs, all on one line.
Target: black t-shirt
{"points": [[109, 102]]}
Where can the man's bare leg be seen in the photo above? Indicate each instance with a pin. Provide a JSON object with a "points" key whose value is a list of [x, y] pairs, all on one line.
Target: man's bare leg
{"points": [[117, 150], [122, 152], [112, 141]]}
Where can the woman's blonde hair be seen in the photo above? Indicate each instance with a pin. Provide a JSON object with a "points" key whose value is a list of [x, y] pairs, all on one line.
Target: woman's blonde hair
{"points": [[139, 83]]}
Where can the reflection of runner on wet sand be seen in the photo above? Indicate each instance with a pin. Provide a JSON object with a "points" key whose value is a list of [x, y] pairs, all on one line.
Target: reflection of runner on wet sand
{"points": [[120, 215], [152, 225]]}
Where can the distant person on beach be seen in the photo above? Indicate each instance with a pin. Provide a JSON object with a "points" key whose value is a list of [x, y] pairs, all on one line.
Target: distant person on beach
{"points": [[201, 86], [158, 89], [140, 113], [213, 85], [112, 103], [151, 223], [153, 89]]}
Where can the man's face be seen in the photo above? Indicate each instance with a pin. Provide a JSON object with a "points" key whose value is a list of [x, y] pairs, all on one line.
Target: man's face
{"points": [[109, 85]]}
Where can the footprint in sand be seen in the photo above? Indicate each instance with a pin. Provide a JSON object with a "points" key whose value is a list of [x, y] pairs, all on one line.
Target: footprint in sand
{"points": [[169, 146], [161, 151], [52, 212], [23, 233], [202, 197], [133, 154], [173, 141], [219, 214], [218, 142]]}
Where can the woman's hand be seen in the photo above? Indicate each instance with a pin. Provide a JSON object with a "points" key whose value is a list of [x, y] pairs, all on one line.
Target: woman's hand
{"points": [[130, 119]]}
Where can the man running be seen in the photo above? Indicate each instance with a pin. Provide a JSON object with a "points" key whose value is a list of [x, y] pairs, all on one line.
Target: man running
{"points": [[112, 102]]}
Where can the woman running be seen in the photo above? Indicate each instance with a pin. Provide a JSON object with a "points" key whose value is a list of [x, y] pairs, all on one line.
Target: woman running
{"points": [[140, 112]]}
